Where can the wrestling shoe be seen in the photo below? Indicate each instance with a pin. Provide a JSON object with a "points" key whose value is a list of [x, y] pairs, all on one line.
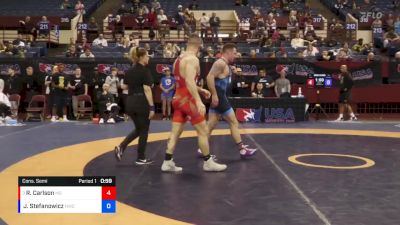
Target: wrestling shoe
{"points": [[246, 152], [200, 155], [340, 119], [211, 166], [118, 153], [169, 166], [141, 162], [353, 118]]}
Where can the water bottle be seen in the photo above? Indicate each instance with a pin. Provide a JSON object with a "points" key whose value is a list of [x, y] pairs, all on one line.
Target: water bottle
{"points": [[299, 93]]}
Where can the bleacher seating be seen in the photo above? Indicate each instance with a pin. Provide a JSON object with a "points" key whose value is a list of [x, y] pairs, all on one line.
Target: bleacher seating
{"points": [[43, 7]]}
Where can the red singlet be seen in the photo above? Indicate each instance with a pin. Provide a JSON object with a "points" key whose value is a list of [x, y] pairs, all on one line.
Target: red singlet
{"points": [[183, 102]]}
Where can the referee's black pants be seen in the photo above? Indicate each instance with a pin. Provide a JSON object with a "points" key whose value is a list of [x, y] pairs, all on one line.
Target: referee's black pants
{"points": [[142, 124]]}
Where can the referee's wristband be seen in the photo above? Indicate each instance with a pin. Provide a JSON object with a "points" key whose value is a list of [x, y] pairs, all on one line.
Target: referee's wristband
{"points": [[152, 108]]}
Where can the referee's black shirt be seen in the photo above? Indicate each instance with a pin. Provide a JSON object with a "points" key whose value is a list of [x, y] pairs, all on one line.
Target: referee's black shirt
{"points": [[135, 78]]}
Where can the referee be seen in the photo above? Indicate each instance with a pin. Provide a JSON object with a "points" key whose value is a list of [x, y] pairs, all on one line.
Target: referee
{"points": [[346, 84], [139, 104]]}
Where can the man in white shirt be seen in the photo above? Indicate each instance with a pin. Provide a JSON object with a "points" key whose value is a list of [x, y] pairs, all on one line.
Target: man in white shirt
{"points": [[162, 17], [100, 41], [204, 24], [297, 42]]}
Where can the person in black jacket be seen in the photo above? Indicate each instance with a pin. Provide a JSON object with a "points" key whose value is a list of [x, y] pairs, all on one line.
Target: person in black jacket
{"points": [[215, 23], [346, 84], [139, 104], [31, 85]]}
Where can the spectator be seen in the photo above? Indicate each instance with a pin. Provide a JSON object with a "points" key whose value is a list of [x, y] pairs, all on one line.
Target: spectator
{"points": [[66, 5], [59, 95], [238, 2], [145, 10], [100, 42], [167, 86], [265, 41], [135, 6], [32, 85], [293, 26], [156, 5], [389, 22], [140, 20], [368, 48], [335, 25], [311, 51], [179, 20], [152, 18], [97, 83], [43, 27], [370, 57], [191, 22], [390, 38], [160, 48], [258, 92], [123, 10], [79, 86], [194, 5], [397, 56], [87, 54], [27, 27], [397, 25], [93, 29], [114, 83], [215, 24], [13, 84], [342, 55], [209, 53], [19, 42], [377, 23], [359, 47], [347, 50], [204, 25], [119, 29], [5, 104], [79, 8], [270, 24], [266, 81], [252, 54], [11, 50], [149, 50], [325, 56], [297, 42], [108, 107], [244, 27], [80, 47], [282, 84], [162, 18], [71, 52], [171, 51], [309, 27], [240, 84]]}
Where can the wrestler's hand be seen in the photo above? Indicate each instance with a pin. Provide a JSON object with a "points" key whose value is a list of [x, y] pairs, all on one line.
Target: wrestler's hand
{"points": [[205, 93], [200, 106], [214, 100], [151, 115]]}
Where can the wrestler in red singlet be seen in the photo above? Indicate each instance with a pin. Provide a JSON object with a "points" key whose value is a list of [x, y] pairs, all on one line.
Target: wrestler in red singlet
{"points": [[183, 102]]}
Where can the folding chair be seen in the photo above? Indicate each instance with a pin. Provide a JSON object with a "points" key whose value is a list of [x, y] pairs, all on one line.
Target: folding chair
{"points": [[37, 105], [15, 106], [85, 110]]}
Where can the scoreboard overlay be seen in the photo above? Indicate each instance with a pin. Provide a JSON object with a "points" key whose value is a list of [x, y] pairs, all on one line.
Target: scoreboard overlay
{"points": [[67, 194]]}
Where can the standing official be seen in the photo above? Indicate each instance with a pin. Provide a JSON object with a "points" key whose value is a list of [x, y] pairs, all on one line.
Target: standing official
{"points": [[346, 84], [139, 104]]}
